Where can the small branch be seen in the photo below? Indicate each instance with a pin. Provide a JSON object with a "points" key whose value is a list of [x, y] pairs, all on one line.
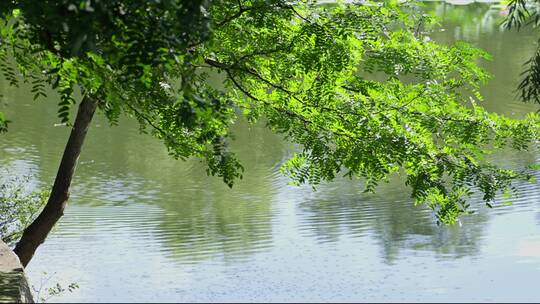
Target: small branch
{"points": [[304, 120], [238, 14], [290, 7], [155, 127]]}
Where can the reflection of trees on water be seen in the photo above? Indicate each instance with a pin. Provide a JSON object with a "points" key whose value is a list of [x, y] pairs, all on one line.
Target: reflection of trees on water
{"points": [[408, 228], [200, 217], [340, 210], [233, 229], [389, 218], [204, 218]]}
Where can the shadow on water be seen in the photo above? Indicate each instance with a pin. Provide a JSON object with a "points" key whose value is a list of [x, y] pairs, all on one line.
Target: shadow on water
{"points": [[393, 221]]}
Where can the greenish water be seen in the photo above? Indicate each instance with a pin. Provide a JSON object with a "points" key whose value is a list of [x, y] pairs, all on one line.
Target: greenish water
{"points": [[143, 227]]}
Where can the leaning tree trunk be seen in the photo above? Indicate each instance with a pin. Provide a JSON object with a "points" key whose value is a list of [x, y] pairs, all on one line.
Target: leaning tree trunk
{"points": [[35, 234]]}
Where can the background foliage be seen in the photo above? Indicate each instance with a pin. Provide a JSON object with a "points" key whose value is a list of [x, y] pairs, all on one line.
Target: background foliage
{"points": [[527, 14], [18, 206]]}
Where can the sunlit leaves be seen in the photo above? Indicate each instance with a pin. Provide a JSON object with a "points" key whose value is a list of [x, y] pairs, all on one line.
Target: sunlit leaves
{"points": [[418, 117], [3, 123]]}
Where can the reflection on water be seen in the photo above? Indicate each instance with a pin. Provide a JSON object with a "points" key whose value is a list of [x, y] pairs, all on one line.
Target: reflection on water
{"points": [[392, 220], [143, 227]]}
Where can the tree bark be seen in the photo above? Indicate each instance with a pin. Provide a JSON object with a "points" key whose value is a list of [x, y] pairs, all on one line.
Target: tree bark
{"points": [[37, 232]]}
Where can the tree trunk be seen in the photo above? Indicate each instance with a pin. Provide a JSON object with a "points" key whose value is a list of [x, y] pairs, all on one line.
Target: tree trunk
{"points": [[35, 234]]}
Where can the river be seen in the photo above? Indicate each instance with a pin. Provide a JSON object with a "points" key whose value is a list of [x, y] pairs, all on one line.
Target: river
{"points": [[143, 227]]}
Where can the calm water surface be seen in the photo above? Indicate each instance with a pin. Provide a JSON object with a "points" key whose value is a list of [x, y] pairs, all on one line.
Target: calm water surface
{"points": [[143, 227]]}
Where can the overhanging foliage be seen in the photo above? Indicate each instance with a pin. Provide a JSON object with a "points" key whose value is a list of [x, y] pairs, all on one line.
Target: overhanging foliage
{"points": [[360, 87]]}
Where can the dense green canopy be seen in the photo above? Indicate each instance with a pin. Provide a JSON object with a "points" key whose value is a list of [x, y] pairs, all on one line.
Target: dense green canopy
{"points": [[360, 87]]}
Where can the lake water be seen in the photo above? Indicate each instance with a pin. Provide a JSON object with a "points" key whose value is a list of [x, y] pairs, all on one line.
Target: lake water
{"points": [[143, 227]]}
